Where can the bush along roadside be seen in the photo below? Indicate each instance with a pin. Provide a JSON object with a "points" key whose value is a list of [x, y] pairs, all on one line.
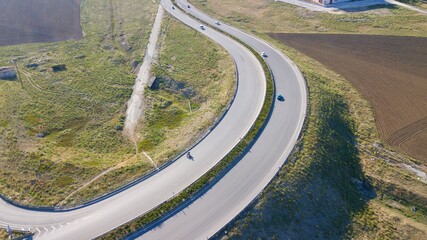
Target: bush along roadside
{"points": [[185, 197]]}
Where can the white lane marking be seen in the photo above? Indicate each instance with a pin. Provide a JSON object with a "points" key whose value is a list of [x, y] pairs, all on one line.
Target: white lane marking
{"points": [[53, 229], [37, 234], [46, 231]]}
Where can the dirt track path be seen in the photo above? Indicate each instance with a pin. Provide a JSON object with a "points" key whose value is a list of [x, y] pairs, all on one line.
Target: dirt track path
{"points": [[135, 106]]}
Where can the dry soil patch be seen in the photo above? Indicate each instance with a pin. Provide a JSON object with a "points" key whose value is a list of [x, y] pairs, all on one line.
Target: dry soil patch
{"points": [[390, 71], [28, 21]]}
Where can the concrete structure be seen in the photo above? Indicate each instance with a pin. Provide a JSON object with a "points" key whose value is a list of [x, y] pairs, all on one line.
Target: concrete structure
{"points": [[328, 2], [7, 72]]}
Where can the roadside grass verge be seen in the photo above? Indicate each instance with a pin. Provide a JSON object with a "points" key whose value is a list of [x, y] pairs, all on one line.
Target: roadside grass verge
{"points": [[314, 195], [336, 184], [60, 130], [417, 3], [16, 234], [206, 83], [212, 175], [3, 234]]}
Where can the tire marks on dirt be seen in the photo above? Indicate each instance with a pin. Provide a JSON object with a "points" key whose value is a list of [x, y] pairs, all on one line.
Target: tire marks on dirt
{"points": [[409, 131]]}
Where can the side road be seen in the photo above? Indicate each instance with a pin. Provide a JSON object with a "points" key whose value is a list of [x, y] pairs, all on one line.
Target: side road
{"points": [[135, 106]]}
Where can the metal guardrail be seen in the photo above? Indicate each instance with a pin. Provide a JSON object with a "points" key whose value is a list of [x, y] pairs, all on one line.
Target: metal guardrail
{"points": [[215, 180], [132, 183]]}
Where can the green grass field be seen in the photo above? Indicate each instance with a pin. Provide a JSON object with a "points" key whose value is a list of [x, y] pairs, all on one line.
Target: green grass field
{"points": [[64, 127], [74, 112], [206, 83]]}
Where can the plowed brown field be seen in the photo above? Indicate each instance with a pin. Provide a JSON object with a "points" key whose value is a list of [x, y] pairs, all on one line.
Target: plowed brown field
{"points": [[28, 21], [390, 71]]}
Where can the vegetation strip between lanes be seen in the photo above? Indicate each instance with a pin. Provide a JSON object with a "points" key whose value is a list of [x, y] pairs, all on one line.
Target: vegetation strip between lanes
{"points": [[185, 197]]}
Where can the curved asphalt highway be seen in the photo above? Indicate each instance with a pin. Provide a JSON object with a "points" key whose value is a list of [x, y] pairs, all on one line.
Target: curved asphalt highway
{"points": [[228, 197], [94, 220]]}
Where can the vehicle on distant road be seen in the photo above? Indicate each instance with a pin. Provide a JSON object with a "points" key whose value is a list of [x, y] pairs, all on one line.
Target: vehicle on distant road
{"points": [[217, 23], [173, 7], [263, 54], [202, 27], [280, 98]]}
